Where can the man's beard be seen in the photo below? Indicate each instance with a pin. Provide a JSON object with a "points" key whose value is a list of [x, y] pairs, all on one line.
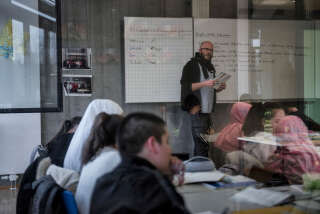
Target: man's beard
{"points": [[207, 56], [207, 63]]}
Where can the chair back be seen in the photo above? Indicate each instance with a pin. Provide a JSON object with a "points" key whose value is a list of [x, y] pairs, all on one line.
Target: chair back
{"points": [[69, 202]]}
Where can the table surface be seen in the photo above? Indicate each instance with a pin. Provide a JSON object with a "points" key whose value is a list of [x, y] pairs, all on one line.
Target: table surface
{"points": [[213, 138], [199, 198]]}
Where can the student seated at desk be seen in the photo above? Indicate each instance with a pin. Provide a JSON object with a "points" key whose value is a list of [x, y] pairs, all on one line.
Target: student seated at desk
{"points": [[227, 140], [58, 146], [254, 126], [99, 156], [72, 159], [297, 155], [252, 154], [277, 112], [309, 122], [140, 184], [277, 115]]}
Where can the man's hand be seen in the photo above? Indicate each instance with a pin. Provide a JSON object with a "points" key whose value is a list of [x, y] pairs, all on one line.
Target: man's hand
{"points": [[221, 87], [177, 170], [208, 83]]}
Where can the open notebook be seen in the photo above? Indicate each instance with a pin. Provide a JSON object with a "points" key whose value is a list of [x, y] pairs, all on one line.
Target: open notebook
{"points": [[262, 197], [198, 177]]}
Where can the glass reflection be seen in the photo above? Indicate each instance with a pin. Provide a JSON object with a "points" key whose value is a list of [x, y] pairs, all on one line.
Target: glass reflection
{"points": [[281, 156]]}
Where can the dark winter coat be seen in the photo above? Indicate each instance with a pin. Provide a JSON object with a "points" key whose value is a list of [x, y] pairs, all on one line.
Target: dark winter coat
{"points": [[191, 74], [135, 186]]}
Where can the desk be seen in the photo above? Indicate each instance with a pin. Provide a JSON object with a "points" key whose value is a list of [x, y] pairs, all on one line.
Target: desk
{"points": [[204, 199], [200, 199], [211, 139]]}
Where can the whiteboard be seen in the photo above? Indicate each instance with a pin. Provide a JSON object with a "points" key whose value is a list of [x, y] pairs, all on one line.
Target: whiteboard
{"points": [[222, 33], [20, 133], [267, 58], [156, 50]]}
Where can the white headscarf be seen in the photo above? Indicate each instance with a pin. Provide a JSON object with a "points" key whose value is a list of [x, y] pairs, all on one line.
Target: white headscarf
{"points": [[73, 156]]}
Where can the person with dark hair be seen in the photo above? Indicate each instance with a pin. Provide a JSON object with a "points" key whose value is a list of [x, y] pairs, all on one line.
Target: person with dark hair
{"points": [[99, 156], [254, 126], [254, 121], [251, 154], [140, 184], [277, 112], [73, 155], [198, 79], [312, 125], [58, 146]]}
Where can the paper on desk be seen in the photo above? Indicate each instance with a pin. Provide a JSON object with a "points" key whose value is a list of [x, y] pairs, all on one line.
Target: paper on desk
{"points": [[262, 197], [261, 139], [197, 177], [237, 179]]}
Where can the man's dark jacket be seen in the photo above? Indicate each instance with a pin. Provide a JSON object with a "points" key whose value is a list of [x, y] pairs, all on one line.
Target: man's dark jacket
{"points": [[191, 74], [135, 186]]}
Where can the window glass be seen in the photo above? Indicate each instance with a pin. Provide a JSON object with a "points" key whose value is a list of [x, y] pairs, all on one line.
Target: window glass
{"points": [[28, 56]]}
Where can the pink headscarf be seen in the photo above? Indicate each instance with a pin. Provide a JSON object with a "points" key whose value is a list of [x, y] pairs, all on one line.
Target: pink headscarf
{"points": [[297, 155], [227, 139]]}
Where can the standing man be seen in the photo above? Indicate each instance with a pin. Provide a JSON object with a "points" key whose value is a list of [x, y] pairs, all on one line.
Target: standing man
{"points": [[197, 78]]}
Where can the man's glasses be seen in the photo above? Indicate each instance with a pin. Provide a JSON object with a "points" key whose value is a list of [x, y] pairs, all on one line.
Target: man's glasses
{"points": [[207, 49]]}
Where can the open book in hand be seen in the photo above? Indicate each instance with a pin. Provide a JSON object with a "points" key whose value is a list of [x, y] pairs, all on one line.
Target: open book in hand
{"points": [[221, 78]]}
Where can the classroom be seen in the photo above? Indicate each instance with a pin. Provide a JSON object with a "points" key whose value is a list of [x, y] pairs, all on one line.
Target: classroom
{"points": [[160, 106]]}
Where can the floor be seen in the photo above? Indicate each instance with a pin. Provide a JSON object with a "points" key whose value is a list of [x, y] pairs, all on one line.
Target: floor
{"points": [[8, 200]]}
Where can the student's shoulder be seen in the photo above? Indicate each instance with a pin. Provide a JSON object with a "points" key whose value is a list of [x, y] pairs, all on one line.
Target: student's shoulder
{"points": [[147, 179], [146, 174]]}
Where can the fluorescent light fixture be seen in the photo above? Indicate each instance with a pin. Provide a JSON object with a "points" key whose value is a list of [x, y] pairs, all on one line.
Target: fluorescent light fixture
{"points": [[51, 3], [276, 2], [18, 4]]}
